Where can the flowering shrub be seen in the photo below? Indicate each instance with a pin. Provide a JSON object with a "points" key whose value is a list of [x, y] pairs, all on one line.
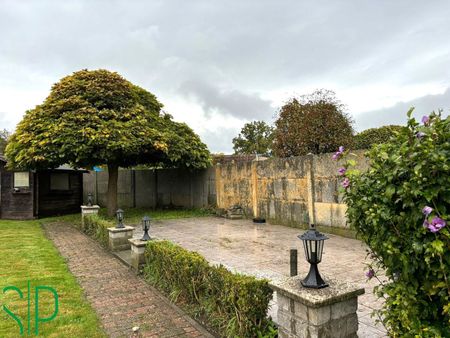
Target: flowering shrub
{"points": [[400, 208]]}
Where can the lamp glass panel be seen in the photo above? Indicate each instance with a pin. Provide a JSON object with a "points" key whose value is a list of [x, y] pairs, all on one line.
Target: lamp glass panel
{"points": [[306, 250], [319, 250]]}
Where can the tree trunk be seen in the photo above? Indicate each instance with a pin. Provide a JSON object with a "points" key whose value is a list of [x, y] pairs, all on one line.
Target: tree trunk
{"points": [[113, 174]]}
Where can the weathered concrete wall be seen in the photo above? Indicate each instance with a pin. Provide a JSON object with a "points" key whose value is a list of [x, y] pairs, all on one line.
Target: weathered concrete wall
{"points": [[328, 207], [234, 186], [149, 188], [291, 191]]}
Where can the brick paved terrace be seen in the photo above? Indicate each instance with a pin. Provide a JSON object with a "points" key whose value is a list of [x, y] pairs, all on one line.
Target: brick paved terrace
{"points": [[263, 250], [121, 299]]}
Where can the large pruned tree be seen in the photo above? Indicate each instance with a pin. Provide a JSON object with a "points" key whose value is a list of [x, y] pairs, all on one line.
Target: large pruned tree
{"points": [[97, 117], [255, 138], [315, 123]]}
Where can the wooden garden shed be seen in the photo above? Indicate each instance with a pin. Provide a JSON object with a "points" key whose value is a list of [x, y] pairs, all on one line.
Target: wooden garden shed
{"points": [[41, 193]]}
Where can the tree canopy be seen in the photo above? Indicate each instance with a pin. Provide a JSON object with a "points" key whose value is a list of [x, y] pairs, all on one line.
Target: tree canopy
{"points": [[369, 137], [314, 123], [97, 117], [255, 137], [4, 136]]}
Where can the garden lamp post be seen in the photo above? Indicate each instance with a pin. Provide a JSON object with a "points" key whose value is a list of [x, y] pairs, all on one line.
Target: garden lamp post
{"points": [[146, 228], [313, 245], [89, 200], [119, 215]]}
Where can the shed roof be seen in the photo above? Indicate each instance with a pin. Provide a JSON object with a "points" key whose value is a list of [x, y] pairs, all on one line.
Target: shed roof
{"points": [[61, 167]]}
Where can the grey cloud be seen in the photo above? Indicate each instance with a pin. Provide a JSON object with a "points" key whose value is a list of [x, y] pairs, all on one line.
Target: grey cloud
{"points": [[252, 44], [221, 139], [397, 113], [225, 53], [227, 102]]}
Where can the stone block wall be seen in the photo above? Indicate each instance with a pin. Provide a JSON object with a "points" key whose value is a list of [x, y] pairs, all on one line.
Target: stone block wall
{"points": [[330, 312]]}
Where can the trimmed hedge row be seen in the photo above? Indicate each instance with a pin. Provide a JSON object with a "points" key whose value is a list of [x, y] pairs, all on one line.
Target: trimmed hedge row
{"points": [[96, 227], [234, 305], [369, 137]]}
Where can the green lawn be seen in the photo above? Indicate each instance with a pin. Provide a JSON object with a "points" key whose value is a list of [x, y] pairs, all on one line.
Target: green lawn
{"points": [[26, 255], [134, 215]]}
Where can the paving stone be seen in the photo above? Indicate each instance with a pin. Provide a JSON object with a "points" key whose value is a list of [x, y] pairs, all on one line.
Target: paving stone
{"points": [[262, 250], [121, 299]]}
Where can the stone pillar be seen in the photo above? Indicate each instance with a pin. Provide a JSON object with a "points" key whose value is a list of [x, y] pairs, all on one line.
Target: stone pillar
{"points": [[88, 210], [118, 238], [137, 253], [316, 313]]}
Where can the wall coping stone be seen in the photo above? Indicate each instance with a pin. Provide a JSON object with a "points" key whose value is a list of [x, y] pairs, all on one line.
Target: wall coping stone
{"points": [[126, 229], [337, 291], [137, 242], [90, 207]]}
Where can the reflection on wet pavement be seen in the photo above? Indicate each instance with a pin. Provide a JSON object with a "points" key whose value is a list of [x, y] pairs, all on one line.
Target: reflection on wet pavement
{"points": [[263, 250]]}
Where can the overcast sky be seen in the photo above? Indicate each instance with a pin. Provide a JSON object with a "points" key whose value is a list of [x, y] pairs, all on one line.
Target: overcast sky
{"points": [[219, 64]]}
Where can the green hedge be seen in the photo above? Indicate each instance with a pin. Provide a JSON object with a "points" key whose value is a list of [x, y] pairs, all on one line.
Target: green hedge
{"points": [[369, 137], [96, 227], [234, 305]]}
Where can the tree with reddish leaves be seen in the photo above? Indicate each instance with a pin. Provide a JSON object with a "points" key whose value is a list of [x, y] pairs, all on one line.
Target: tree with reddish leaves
{"points": [[315, 123]]}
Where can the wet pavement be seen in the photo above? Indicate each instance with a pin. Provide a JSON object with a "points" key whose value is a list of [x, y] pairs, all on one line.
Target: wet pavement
{"points": [[263, 250]]}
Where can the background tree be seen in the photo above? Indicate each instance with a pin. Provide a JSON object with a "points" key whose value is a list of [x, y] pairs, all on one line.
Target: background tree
{"points": [[315, 123], [4, 136], [255, 137], [97, 117], [369, 137]]}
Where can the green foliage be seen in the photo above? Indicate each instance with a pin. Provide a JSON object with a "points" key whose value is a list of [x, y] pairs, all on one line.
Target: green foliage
{"points": [[97, 228], [135, 215], [97, 117], [409, 172], [4, 136], [255, 137], [315, 123], [369, 137], [234, 305]]}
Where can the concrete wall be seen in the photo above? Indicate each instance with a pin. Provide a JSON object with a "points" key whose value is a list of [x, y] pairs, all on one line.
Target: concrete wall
{"points": [[149, 188], [291, 191]]}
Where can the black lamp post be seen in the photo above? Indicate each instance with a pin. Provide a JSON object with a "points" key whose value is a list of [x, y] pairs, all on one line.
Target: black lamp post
{"points": [[89, 201], [119, 215], [313, 245], [146, 228]]}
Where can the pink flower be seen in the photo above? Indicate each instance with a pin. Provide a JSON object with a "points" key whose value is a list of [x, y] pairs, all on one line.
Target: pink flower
{"points": [[370, 273], [436, 224], [427, 210], [346, 183], [420, 134], [341, 171], [425, 119], [338, 154]]}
